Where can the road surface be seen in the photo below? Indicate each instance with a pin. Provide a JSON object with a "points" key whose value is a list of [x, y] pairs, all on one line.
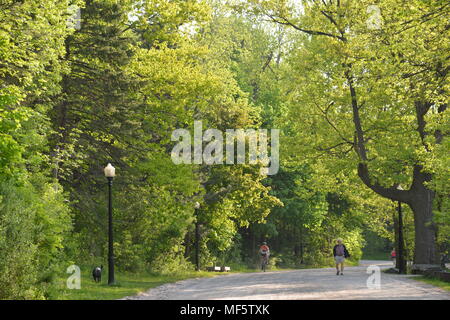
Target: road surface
{"points": [[298, 284]]}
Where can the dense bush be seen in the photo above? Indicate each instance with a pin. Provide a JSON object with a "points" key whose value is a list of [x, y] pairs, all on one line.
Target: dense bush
{"points": [[32, 228]]}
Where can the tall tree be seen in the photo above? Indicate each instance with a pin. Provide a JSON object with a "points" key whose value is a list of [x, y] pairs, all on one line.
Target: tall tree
{"points": [[375, 85], [34, 220]]}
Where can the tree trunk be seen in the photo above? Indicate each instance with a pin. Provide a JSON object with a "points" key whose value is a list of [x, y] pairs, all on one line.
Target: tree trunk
{"points": [[425, 253], [420, 200], [253, 252], [187, 245]]}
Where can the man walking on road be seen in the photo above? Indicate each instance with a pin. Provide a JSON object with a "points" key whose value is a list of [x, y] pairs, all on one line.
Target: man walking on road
{"points": [[340, 253]]}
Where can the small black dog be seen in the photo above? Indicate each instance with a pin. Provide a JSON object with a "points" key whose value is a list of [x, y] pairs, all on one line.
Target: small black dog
{"points": [[97, 273]]}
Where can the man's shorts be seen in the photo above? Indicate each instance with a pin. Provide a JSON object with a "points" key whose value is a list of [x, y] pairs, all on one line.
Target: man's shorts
{"points": [[339, 259]]}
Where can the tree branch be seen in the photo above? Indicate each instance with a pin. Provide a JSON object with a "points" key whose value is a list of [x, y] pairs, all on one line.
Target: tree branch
{"points": [[391, 193], [307, 31]]}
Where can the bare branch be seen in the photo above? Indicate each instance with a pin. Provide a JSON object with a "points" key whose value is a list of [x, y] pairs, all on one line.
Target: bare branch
{"points": [[285, 21]]}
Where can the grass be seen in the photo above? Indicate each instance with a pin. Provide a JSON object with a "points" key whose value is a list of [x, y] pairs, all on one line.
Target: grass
{"points": [[127, 284], [433, 281], [376, 256]]}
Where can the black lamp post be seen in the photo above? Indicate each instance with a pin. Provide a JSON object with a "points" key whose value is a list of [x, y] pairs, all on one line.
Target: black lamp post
{"points": [[401, 251], [110, 173], [197, 238]]}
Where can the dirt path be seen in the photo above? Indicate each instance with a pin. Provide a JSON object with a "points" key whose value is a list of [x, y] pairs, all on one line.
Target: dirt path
{"points": [[298, 284]]}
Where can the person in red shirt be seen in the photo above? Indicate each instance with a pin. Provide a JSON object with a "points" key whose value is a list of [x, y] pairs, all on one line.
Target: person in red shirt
{"points": [[265, 252], [393, 255]]}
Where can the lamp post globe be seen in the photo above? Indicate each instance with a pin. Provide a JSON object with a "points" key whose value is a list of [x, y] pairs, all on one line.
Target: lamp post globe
{"points": [[110, 171]]}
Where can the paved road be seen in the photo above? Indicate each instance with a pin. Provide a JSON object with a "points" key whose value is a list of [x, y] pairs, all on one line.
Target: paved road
{"points": [[298, 284]]}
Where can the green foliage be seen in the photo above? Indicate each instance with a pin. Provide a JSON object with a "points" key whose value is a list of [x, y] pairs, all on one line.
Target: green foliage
{"points": [[18, 250], [299, 230], [33, 224], [367, 105], [72, 100], [34, 219]]}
